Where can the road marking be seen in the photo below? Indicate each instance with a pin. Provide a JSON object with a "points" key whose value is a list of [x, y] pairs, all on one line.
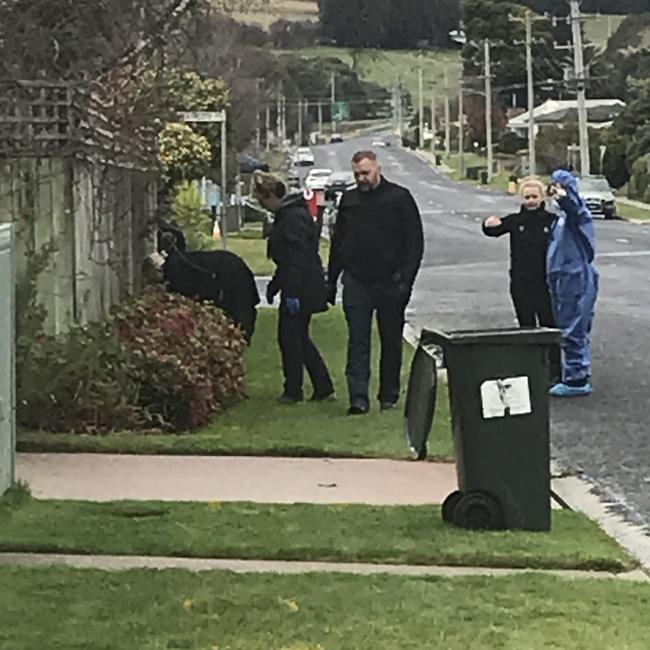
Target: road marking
{"points": [[626, 254], [623, 241]]}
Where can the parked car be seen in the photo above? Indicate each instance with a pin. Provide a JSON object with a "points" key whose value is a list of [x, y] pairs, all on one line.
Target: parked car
{"points": [[317, 179], [338, 183], [248, 164], [381, 143], [598, 195], [304, 157], [336, 138]]}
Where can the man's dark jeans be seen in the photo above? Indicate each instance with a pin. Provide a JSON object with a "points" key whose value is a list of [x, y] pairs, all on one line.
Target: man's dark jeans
{"points": [[359, 304], [298, 352]]}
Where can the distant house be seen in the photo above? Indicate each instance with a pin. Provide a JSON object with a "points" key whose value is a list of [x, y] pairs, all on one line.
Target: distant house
{"points": [[553, 112]]}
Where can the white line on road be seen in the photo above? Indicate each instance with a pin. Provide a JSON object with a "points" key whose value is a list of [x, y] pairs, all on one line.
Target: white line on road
{"points": [[626, 254], [623, 241]]}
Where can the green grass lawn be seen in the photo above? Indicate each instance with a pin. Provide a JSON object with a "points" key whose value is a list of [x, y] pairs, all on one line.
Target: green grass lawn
{"points": [[259, 425], [632, 212], [384, 67], [155, 610], [346, 533], [250, 246]]}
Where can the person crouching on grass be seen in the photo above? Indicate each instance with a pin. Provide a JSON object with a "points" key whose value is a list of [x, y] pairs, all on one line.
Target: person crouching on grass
{"points": [[530, 231]]}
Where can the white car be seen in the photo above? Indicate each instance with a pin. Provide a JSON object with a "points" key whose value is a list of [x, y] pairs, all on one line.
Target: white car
{"points": [[378, 143], [304, 157], [317, 179], [598, 195]]}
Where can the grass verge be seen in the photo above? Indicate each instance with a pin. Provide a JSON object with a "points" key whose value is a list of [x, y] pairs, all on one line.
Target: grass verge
{"points": [[633, 212], [251, 247], [259, 425], [144, 609], [343, 533]]}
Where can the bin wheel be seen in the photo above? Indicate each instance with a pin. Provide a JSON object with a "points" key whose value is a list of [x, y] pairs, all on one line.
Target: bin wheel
{"points": [[478, 511], [449, 505]]}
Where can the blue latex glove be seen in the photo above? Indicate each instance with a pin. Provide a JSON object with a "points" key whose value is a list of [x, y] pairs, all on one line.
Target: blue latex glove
{"points": [[293, 306]]}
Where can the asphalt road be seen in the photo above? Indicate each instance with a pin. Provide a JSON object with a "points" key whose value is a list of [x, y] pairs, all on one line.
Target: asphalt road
{"points": [[463, 283]]}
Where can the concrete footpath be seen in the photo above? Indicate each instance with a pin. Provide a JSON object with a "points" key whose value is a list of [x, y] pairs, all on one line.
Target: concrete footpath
{"points": [[109, 477], [127, 562]]}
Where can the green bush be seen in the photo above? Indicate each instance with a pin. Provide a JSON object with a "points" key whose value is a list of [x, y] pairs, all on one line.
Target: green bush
{"points": [[190, 217], [159, 362], [639, 180]]}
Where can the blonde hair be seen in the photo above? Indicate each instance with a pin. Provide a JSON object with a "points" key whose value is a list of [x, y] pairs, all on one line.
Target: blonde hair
{"points": [[529, 181], [264, 185]]}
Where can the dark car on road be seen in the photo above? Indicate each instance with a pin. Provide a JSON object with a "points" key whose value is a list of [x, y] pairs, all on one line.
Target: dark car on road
{"points": [[248, 165]]}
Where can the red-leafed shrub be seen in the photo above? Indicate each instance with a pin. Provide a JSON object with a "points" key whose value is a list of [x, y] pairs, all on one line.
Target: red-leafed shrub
{"points": [[190, 354], [160, 362]]}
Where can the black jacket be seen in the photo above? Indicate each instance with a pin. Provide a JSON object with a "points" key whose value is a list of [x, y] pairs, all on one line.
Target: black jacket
{"points": [[529, 232], [218, 276], [293, 246], [378, 236]]}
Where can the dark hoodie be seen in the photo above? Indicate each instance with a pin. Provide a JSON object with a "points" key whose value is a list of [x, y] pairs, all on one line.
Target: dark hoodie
{"points": [[529, 232], [293, 246]]}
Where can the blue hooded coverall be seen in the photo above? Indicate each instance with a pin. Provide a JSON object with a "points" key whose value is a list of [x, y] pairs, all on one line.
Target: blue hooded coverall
{"points": [[573, 279]]}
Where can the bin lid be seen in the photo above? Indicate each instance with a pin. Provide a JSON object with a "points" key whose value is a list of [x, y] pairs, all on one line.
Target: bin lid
{"points": [[420, 401], [504, 336]]}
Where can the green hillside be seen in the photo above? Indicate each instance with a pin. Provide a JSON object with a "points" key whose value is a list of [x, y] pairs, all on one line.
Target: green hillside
{"points": [[386, 66]]}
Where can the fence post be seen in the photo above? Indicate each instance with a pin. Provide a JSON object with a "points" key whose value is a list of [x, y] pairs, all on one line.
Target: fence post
{"points": [[7, 361]]}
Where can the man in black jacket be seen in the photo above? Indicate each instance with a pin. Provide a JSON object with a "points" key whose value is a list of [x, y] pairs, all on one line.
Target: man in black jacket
{"points": [[378, 246]]}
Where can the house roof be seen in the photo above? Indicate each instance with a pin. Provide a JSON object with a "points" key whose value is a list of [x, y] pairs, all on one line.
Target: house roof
{"points": [[554, 111]]}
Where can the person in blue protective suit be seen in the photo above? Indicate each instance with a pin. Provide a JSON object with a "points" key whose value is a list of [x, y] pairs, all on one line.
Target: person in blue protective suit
{"points": [[573, 283]]}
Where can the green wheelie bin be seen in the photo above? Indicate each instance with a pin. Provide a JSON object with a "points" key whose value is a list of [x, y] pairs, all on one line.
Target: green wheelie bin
{"points": [[498, 391]]}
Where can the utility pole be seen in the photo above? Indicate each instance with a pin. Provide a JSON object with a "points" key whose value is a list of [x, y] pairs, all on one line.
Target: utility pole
{"points": [[258, 134], [399, 108], [447, 112], [420, 106], [332, 98], [320, 117], [278, 120], [300, 122], [461, 143], [267, 118], [578, 62], [532, 158], [488, 110], [433, 117], [528, 20], [284, 117]]}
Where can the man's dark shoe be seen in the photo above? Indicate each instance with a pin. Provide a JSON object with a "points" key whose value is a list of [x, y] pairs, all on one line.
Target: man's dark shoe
{"points": [[387, 406], [358, 409], [329, 396], [289, 399]]}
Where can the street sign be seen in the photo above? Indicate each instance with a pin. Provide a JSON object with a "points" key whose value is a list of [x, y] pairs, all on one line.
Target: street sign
{"points": [[203, 116], [340, 111]]}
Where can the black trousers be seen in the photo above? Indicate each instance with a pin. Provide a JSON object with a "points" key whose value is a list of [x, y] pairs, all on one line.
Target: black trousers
{"points": [[298, 351], [359, 305], [532, 302]]}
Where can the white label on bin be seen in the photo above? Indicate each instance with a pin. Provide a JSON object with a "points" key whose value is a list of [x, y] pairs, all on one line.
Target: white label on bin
{"points": [[502, 397]]}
